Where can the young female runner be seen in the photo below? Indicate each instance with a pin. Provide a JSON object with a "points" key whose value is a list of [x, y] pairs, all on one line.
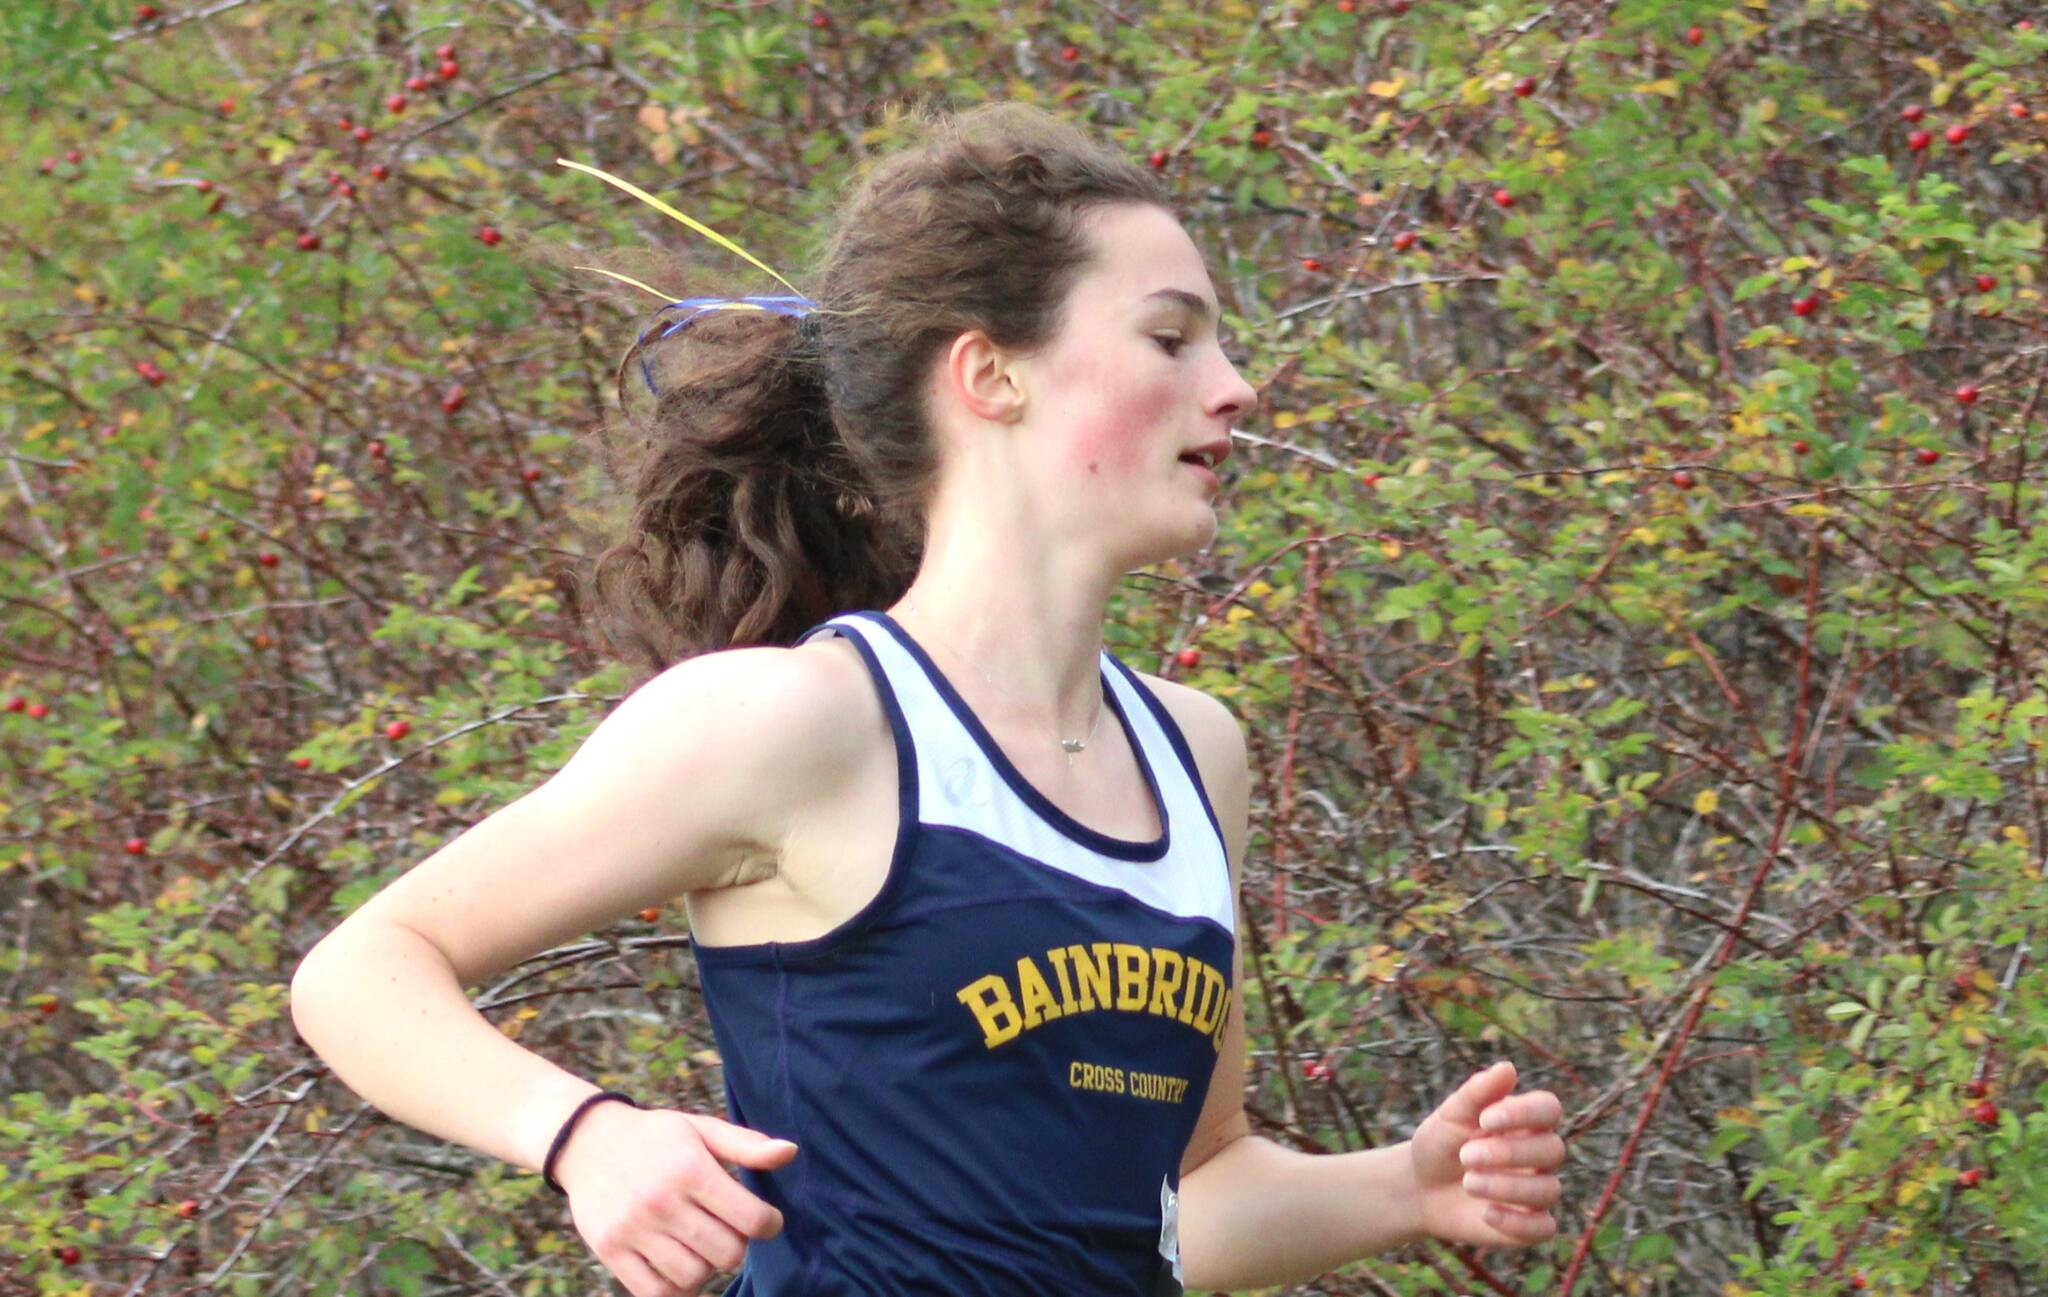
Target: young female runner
{"points": [[961, 884]]}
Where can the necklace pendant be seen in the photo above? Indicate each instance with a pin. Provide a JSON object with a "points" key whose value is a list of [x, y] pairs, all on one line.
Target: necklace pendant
{"points": [[1072, 745]]}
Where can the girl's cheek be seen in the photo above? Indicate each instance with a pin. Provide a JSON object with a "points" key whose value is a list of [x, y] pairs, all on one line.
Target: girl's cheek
{"points": [[1112, 441]]}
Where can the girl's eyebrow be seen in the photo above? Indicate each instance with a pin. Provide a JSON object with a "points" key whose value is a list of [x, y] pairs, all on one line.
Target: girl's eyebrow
{"points": [[1193, 301]]}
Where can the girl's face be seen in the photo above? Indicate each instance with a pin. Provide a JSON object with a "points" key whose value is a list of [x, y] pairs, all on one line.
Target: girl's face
{"points": [[1137, 379]]}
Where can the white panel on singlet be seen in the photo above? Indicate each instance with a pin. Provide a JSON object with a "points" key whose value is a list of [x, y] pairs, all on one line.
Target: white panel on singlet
{"points": [[961, 785]]}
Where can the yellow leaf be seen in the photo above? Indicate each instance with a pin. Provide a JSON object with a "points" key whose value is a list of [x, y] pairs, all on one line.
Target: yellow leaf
{"points": [[86, 293], [662, 149], [1942, 90], [1258, 590], [1665, 86], [653, 118], [1285, 418], [1810, 510], [1707, 802], [1387, 89], [1391, 548], [1766, 109], [1678, 657], [1928, 65]]}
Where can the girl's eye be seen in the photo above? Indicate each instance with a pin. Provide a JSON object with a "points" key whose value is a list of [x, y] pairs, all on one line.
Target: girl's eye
{"points": [[1172, 344]]}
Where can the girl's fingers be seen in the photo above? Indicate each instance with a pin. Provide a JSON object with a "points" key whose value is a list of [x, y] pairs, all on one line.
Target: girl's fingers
{"points": [[1543, 1151], [1524, 1226], [1514, 1189], [1537, 1109]]}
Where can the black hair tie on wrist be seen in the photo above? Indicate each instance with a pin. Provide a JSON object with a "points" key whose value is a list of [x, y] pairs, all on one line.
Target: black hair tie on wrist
{"points": [[547, 1166]]}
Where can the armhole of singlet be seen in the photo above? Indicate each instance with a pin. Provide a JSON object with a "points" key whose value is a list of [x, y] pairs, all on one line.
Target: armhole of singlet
{"points": [[1179, 743], [906, 810]]}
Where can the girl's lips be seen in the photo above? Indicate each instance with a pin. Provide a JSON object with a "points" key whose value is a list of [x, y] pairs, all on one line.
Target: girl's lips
{"points": [[1203, 471]]}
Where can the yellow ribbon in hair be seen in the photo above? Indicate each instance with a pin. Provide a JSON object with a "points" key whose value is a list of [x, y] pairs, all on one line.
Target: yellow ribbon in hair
{"points": [[672, 214]]}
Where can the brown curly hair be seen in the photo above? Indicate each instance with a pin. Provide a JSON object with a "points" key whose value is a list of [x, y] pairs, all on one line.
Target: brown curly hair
{"points": [[784, 471]]}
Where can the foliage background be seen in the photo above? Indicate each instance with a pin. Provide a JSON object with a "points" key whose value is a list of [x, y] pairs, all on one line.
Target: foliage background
{"points": [[1717, 807]]}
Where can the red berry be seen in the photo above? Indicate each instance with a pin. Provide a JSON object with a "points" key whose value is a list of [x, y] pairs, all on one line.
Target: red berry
{"points": [[143, 13], [225, 107], [1805, 305], [444, 51], [1694, 35], [1404, 240], [309, 242], [1683, 480], [68, 1254], [530, 474], [1912, 112], [396, 103], [1311, 264], [1262, 138], [49, 1008], [1800, 447], [1967, 394], [377, 449], [1189, 657], [302, 762], [363, 134], [1985, 1113], [1158, 159], [2016, 109], [343, 124], [17, 704], [380, 172], [1970, 1177], [73, 156], [189, 1208], [1371, 479], [1919, 140], [1525, 87], [1985, 283], [345, 189], [203, 186], [1858, 1281], [1957, 133], [36, 711], [820, 21], [2024, 25], [135, 846], [1315, 1071], [417, 85], [489, 236], [1068, 54], [650, 914], [1502, 198], [452, 399], [1927, 454], [397, 729], [267, 558], [449, 70], [1977, 1089], [1398, 7]]}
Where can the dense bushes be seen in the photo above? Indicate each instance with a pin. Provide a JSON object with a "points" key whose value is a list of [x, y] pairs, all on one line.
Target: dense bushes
{"points": [[1631, 586]]}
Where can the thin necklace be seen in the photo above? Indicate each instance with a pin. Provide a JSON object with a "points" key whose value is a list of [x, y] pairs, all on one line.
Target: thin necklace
{"points": [[1071, 746]]}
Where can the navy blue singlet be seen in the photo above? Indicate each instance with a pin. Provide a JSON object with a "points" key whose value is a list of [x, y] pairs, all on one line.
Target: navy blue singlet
{"points": [[992, 1070]]}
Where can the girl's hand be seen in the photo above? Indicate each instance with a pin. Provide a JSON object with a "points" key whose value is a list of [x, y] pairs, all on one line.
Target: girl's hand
{"points": [[650, 1195], [1483, 1163]]}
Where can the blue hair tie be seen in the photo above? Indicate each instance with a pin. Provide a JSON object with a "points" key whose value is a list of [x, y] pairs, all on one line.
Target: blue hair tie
{"points": [[791, 305]]}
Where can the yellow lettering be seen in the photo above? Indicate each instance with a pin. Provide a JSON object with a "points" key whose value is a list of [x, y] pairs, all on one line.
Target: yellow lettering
{"points": [[1212, 987], [989, 998], [1167, 967], [1058, 956], [1222, 1020], [1193, 990], [1092, 974], [1133, 967], [1037, 996]]}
